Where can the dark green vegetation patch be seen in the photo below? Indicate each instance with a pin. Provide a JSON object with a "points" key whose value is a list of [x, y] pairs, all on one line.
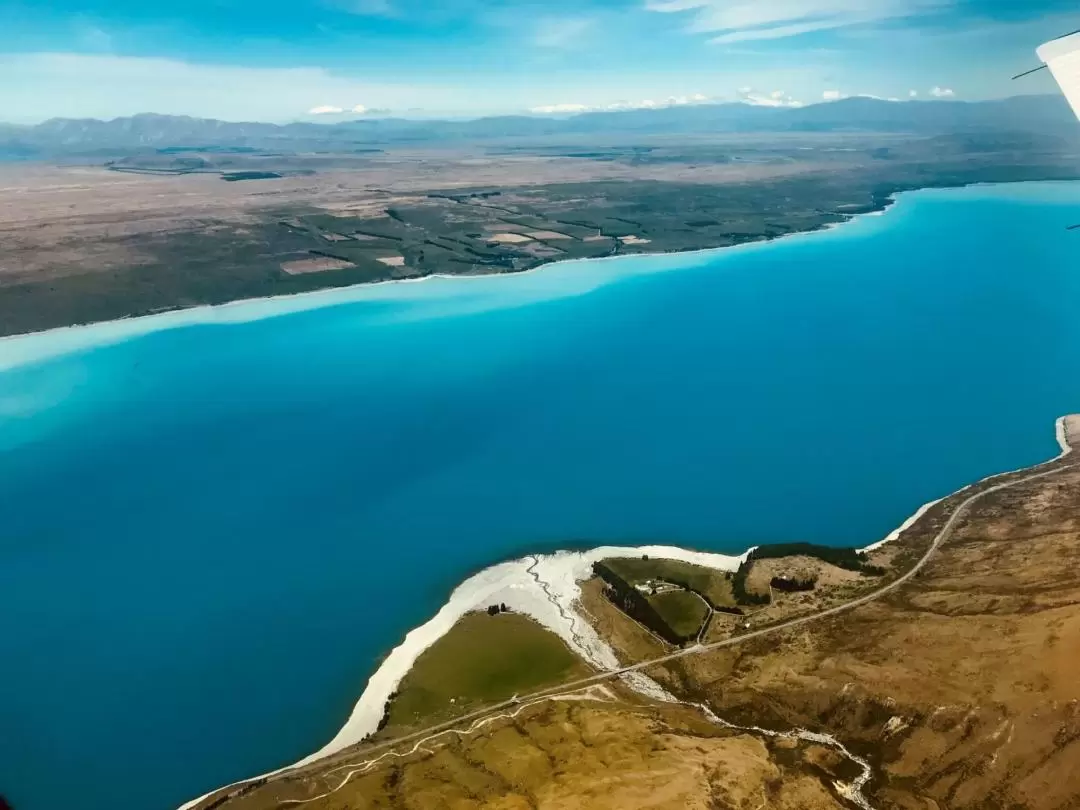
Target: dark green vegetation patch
{"points": [[234, 176], [671, 619], [850, 559]]}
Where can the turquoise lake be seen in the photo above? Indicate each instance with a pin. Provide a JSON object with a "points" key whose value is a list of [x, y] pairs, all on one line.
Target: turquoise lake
{"points": [[210, 533]]}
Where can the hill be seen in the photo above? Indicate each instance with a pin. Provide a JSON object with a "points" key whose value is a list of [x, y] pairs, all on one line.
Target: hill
{"points": [[66, 136]]}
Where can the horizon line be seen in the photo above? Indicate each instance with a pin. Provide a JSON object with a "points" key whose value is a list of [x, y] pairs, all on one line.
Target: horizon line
{"points": [[467, 118]]}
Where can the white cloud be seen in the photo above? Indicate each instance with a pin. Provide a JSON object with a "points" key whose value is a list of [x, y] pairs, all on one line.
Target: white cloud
{"points": [[560, 32], [616, 106], [560, 109], [942, 92], [331, 109], [913, 94], [777, 98], [750, 20], [678, 101], [836, 95], [777, 32]]}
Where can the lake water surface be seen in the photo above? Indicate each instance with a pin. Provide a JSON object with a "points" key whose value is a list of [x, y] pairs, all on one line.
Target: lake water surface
{"points": [[210, 533]]}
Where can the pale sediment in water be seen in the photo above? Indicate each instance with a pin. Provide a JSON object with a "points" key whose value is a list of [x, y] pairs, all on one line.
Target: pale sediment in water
{"points": [[24, 349]]}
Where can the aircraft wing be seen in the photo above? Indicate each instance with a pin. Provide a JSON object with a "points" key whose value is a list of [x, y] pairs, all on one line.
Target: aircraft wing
{"points": [[1062, 56]]}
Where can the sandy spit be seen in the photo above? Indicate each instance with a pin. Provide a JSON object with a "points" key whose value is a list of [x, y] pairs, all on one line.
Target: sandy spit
{"points": [[544, 587]]}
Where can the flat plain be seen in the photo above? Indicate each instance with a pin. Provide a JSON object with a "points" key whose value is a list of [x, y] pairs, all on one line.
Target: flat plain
{"points": [[99, 240]]}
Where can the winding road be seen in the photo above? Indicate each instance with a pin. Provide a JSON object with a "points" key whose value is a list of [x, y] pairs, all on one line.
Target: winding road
{"points": [[564, 690]]}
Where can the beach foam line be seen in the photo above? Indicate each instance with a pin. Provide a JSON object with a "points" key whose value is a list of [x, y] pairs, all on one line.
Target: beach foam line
{"points": [[903, 527], [544, 587]]}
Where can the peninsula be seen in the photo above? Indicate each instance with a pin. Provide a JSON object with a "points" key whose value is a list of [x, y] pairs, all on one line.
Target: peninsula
{"points": [[807, 677]]}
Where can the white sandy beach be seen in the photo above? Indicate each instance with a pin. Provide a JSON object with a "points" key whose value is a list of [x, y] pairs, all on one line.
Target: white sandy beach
{"points": [[544, 587]]}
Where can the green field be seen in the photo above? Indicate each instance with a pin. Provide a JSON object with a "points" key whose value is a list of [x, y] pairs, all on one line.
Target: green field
{"points": [[712, 584], [483, 659], [684, 612]]}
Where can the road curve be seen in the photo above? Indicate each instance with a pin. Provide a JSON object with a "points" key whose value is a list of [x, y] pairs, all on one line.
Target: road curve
{"points": [[940, 538]]}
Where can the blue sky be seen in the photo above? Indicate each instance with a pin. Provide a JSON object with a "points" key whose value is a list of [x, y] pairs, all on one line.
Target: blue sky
{"points": [[276, 61]]}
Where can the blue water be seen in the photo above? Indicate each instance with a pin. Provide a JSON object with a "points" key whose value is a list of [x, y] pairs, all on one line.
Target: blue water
{"points": [[209, 534]]}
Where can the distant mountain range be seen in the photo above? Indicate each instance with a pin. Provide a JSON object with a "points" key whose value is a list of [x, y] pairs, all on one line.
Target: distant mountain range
{"points": [[1046, 114]]}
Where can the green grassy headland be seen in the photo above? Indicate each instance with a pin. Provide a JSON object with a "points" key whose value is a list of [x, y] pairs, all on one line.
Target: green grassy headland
{"points": [[484, 659]]}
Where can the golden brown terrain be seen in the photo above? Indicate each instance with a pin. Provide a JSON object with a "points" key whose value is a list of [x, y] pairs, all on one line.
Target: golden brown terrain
{"points": [[962, 687], [958, 689], [595, 749]]}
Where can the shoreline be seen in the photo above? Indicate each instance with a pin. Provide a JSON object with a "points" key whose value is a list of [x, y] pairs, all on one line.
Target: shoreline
{"points": [[209, 314], [1061, 434], [545, 588], [73, 338], [62, 340]]}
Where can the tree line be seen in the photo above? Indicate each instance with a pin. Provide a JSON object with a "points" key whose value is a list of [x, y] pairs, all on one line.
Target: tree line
{"points": [[850, 559], [634, 604]]}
